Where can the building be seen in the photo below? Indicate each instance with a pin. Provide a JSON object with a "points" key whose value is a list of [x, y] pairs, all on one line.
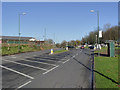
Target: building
{"points": [[15, 39], [23, 40]]}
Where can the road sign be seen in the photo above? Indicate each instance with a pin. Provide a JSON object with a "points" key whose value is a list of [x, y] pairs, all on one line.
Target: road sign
{"points": [[100, 34]]}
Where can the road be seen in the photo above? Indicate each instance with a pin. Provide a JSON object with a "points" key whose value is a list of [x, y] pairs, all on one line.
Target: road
{"points": [[40, 70]]}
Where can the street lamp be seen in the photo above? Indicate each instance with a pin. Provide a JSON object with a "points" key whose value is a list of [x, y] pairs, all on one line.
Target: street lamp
{"points": [[96, 39], [19, 28], [97, 23]]}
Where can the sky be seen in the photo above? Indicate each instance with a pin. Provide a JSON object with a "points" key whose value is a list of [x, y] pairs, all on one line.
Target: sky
{"points": [[62, 20]]}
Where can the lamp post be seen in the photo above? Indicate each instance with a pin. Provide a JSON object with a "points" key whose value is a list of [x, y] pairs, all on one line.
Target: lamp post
{"points": [[98, 47], [19, 30], [97, 23], [96, 39]]}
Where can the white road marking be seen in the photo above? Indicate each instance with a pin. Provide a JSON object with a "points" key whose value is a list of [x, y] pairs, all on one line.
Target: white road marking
{"points": [[50, 69], [66, 61], [80, 50], [73, 56], [39, 62], [14, 57], [48, 60], [25, 75], [70, 58], [26, 65], [24, 84], [60, 61]]}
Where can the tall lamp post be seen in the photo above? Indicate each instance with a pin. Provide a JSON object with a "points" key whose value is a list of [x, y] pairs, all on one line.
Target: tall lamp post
{"points": [[97, 23], [19, 30]]}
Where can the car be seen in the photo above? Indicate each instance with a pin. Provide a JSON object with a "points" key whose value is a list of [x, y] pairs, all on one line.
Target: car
{"points": [[91, 47], [70, 46], [82, 47]]}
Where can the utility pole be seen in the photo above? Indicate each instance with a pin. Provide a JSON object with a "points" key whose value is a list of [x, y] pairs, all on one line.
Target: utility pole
{"points": [[45, 34], [19, 29], [96, 42], [54, 39], [19, 33], [98, 28], [96, 39]]}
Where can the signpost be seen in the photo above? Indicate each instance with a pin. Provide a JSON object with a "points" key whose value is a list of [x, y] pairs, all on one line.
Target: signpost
{"points": [[100, 34]]}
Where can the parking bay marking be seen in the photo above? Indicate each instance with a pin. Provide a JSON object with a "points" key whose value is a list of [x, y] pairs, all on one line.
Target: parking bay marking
{"points": [[51, 69], [37, 62], [70, 58], [26, 65], [46, 60], [25, 75], [23, 85], [66, 61], [50, 60]]}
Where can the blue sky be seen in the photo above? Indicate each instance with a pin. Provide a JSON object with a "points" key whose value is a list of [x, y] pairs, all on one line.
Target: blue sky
{"points": [[68, 20]]}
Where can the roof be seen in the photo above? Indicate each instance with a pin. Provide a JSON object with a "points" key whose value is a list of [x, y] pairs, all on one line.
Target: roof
{"points": [[15, 38]]}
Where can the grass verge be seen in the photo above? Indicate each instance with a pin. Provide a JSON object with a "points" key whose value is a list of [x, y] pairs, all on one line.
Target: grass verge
{"points": [[23, 48], [60, 51], [108, 67]]}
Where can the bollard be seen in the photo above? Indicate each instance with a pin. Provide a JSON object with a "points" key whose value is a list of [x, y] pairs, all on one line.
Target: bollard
{"points": [[51, 51], [66, 48]]}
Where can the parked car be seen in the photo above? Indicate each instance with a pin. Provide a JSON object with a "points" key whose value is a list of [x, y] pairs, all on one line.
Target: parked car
{"points": [[70, 46], [91, 47], [82, 47]]}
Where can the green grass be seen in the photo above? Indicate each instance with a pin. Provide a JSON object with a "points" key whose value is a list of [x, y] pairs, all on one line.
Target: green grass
{"points": [[109, 67], [117, 48], [60, 51], [86, 47], [23, 48], [15, 49], [103, 49]]}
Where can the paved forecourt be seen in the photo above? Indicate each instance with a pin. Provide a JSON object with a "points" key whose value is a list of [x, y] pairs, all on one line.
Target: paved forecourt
{"points": [[20, 69]]}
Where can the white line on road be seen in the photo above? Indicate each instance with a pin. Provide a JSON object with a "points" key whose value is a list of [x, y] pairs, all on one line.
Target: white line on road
{"points": [[69, 59], [17, 72], [38, 62], [50, 69], [60, 61], [80, 50], [12, 55], [66, 61], [73, 56], [24, 84], [51, 60], [26, 65]]}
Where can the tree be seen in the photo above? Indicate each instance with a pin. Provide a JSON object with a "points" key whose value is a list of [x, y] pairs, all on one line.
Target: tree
{"points": [[50, 41], [58, 45], [63, 44], [78, 42], [106, 27], [111, 34]]}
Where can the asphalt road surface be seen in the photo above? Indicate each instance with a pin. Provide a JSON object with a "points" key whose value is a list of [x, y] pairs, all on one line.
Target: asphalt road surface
{"points": [[40, 70]]}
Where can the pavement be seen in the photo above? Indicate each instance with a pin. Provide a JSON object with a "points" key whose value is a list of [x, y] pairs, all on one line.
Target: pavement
{"points": [[40, 70]]}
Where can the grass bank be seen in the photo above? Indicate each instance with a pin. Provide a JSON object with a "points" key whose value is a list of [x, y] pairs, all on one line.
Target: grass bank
{"points": [[108, 70], [60, 51], [14, 49], [108, 66]]}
